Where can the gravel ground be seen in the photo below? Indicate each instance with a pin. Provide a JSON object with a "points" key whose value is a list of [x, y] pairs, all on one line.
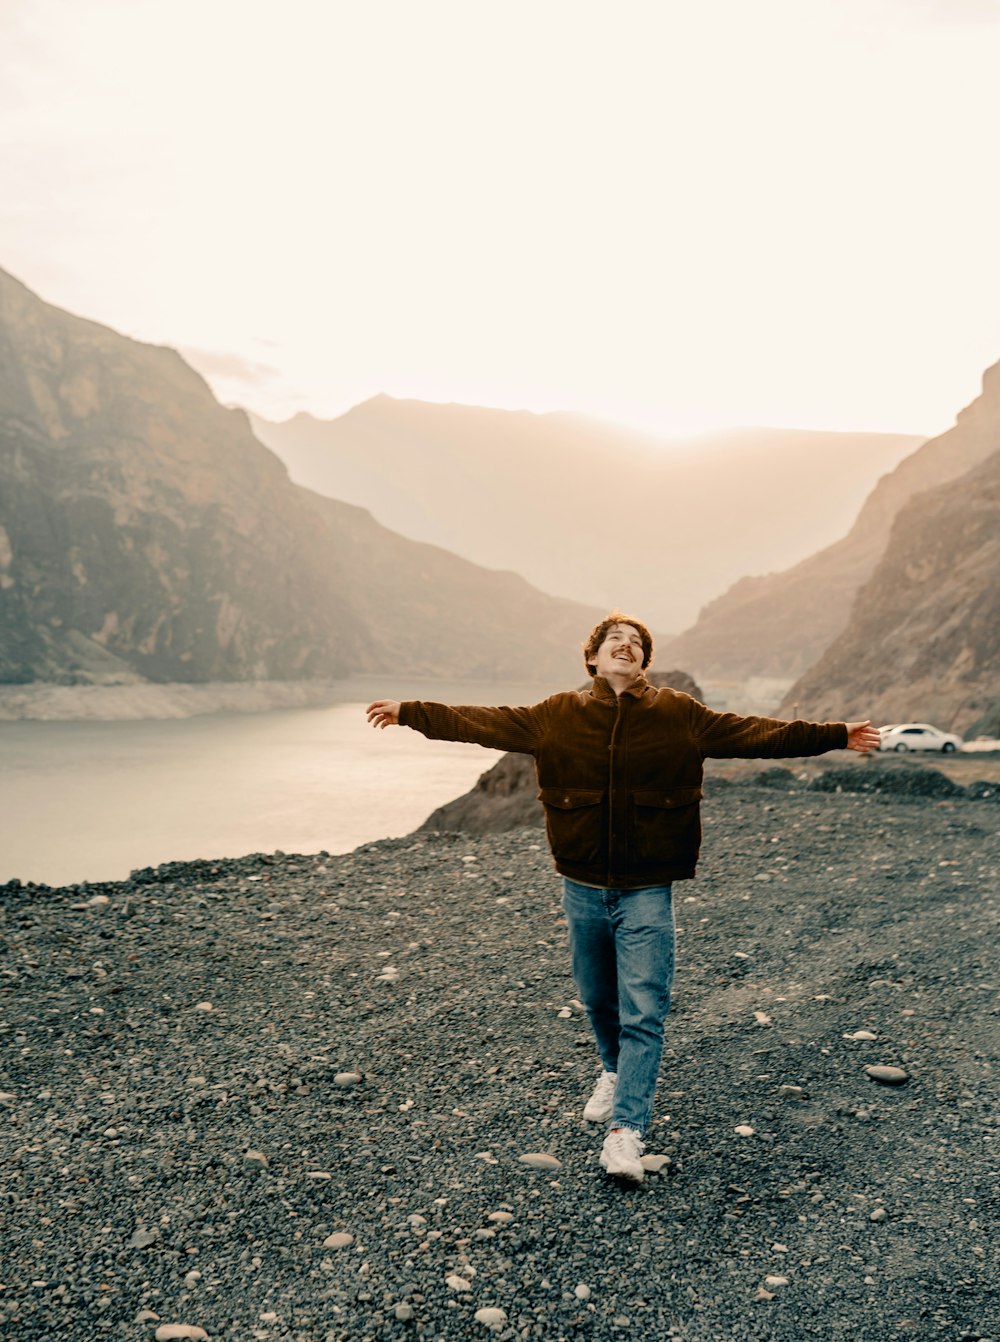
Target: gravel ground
{"points": [[157, 1031]]}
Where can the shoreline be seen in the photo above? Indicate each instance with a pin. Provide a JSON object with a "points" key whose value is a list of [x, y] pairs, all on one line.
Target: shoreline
{"points": [[142, 700], [145, 700]]}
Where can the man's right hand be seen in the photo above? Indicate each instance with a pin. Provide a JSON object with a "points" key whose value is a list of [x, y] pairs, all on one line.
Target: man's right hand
{"points": [[384, 713]]}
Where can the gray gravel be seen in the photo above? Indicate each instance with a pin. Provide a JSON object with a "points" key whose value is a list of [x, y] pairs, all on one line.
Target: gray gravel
{"points": [[184, 1144]]}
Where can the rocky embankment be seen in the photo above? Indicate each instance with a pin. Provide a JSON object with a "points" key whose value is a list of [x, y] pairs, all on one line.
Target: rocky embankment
{"points": [[289, 1097]]}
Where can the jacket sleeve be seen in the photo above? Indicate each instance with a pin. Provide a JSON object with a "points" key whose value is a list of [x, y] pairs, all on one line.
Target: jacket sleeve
{"points": [[729, 736], [517, 729]]}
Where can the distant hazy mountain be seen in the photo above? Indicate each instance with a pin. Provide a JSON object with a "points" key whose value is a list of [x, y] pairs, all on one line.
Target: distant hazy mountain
{"points": [[586, 509], [779, 624], [145, 532], [923, 639]]}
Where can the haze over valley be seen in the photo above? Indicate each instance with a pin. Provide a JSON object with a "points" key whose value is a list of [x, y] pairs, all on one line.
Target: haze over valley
{"points": [[548, 495]]}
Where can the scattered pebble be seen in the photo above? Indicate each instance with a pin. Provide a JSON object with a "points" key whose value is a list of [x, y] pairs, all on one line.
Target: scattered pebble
{"points": [[346, 1079], [256, 1160], [176, 1332], [404, 1312], [762, 1018], [500, 1217], [582, 1291], [654, 1164], [340, 1239], [774, 1282], [142, 1239], [879, 1214], [493, 1318], [540, 1160], [888, 1076], [458, 1283], [743, 1130], [791, 1092], [860, 1035]]}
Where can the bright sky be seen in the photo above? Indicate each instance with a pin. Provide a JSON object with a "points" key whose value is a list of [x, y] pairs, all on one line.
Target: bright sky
{"points": [[682, 214]]}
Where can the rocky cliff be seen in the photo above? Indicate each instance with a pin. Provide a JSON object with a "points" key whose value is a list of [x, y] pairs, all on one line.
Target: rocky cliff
{"points": [[923, 639], [779, 624], [146, 534], [504, 797]]}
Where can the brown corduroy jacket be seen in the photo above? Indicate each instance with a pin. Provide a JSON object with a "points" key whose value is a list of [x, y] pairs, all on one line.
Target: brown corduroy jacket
{"points": [[620, 776]]}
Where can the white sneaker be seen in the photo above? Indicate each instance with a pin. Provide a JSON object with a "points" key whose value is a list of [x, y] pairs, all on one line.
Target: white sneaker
{"points": [[600, 1106], [620, 1154]]}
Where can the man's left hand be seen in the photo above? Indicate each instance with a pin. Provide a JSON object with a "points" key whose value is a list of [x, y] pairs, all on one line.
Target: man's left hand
{"points": [[862, 736]]}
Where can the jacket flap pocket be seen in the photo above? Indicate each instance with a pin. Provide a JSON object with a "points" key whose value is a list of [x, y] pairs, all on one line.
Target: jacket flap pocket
{"points": [[667, 797], [568, 798]]}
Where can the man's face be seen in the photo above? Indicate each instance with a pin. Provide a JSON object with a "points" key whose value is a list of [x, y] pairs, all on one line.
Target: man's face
{"points": [[620, 653]]}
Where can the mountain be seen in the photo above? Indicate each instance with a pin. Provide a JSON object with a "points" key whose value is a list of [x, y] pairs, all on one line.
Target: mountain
{"points": [[923, 639], [587, 509], [146, 534], [779, 624]]}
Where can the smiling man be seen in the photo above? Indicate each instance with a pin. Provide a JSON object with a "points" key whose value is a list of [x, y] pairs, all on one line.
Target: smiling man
{"points": [[620, 771]]}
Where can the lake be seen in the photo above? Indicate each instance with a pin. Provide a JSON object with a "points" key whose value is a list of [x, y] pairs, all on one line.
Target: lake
{"points": [[91, 801]]}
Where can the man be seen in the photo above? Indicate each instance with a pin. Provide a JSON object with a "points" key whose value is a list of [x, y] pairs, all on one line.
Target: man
{"points": [[620, 775]]}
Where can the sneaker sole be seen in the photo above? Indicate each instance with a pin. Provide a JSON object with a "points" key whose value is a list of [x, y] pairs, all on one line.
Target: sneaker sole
{"points": [[616, 1172], [622, 1170]]}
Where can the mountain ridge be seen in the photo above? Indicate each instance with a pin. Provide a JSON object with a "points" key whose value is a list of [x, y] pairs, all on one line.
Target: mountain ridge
{"points": [[779, 624], [923, 638], [146, 533]]}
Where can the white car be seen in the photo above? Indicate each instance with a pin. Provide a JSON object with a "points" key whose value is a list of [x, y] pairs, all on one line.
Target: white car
{"points": [[903, 736]]}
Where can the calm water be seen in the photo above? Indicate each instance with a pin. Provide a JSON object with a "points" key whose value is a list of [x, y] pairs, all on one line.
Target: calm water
{"points": [[94, 800]]}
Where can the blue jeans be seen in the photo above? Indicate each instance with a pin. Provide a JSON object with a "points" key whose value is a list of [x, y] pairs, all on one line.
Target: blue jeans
{"points": [[622, 948]]}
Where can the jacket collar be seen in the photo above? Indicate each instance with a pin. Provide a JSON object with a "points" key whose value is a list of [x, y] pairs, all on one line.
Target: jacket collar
{"points": [[600, 689]]}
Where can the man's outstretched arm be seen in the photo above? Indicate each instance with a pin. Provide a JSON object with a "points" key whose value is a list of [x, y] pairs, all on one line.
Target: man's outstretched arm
{"points": [[728, 735], [518, 729]]}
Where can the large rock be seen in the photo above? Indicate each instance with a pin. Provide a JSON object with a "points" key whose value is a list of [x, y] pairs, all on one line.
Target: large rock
{"points": [[504, 797]]}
